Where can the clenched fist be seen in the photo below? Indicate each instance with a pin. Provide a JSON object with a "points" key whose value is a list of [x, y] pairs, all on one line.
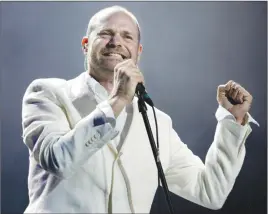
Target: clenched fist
{"points": [[235, 99], [126, 77]]}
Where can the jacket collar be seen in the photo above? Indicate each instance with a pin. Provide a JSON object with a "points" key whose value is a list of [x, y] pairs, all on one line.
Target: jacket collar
{"points": [[78, 87]]}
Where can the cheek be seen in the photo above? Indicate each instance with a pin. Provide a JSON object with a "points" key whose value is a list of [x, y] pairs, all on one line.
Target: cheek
{"points": [[102, 42], [95, 47], [134, 53], [98, 45]]}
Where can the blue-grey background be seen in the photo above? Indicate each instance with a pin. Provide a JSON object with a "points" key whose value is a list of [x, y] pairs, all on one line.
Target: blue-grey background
{"points": [[189, 49]]}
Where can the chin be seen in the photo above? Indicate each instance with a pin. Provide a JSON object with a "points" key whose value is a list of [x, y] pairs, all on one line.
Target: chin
{"points": [[111, 70], [109, 66]]}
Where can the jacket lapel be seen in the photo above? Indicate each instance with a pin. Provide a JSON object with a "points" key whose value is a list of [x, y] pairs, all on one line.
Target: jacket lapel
{"points": [[81, 96], [129, 134]]}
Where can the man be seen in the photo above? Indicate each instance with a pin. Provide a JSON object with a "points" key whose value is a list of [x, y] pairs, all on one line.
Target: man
{"points": [[89, 150]]}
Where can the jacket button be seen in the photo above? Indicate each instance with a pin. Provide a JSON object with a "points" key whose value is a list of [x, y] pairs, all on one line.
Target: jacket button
{"points": [[87, 143]]}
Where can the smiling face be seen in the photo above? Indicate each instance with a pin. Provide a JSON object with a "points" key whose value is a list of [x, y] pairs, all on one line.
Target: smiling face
{"points": [[114, 38]]}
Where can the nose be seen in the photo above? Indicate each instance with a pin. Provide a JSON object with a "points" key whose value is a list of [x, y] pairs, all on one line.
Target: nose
{"points": [[115, 41]]}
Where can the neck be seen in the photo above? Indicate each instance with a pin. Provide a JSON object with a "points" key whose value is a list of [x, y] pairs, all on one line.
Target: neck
{"points": [[105, 78]]}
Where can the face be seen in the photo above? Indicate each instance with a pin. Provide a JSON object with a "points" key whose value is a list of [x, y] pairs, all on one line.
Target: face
{"points": [[114, 39]]}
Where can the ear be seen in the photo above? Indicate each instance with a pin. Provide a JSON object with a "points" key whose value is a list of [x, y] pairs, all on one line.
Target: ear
{"points": [[84, 44], [139, 51]]}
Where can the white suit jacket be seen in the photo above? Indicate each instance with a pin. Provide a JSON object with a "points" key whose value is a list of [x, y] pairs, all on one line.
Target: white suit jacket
{"points": [[75, 168]]}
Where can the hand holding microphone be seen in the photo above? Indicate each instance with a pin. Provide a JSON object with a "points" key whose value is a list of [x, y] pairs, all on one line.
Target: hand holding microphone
{"points": [[126, 78]]}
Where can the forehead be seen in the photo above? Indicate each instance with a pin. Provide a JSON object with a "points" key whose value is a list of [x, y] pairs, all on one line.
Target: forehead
{"points": [[118, 21]]}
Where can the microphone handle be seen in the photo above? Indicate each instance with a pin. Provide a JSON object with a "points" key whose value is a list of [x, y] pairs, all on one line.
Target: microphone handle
{"points": [[140, 90]]}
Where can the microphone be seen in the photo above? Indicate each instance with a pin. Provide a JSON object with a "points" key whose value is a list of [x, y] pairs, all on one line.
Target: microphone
{"points": [[140, 91]]}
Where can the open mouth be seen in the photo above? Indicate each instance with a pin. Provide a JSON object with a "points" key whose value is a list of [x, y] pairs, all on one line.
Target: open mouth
{"points": [[115, 55]]}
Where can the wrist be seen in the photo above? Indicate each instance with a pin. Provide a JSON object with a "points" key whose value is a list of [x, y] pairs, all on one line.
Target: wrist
{"points": [[242, 120], [117, 104]]}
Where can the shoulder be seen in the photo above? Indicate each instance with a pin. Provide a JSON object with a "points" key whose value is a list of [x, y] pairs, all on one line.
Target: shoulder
{"points": [[45, 84], [53, 84], [42, 89], [161, 114], [55, 88]]}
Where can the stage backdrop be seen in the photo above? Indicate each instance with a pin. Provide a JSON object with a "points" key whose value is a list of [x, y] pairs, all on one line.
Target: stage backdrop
{"points": [[189, 49]]}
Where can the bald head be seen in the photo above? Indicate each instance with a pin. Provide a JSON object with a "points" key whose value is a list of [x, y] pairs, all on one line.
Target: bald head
{"points": [[106, 12]]}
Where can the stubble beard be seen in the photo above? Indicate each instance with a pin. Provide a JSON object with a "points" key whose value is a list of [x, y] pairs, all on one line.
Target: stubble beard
{"points": [[102, 64], [98, 68]]}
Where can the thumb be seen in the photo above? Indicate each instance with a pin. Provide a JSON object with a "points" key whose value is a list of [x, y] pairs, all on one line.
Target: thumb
{"points": [[222, 95]]}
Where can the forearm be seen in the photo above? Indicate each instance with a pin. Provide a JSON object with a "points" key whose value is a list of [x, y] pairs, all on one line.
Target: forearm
{"points": [[209, 184], [117, 104], [63, 153], [56, 146], [224, 161]]}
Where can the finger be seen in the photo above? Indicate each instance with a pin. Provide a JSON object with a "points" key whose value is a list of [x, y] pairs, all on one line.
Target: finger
{"points": [[126, 65], [247, 98], [123, 63], [130, 72], [232, 86], [221, 90], [221, 93], [130, 63], [123, 71], [228, 85], [244, 92], [230, 91], [234, 95], [141, 79], [230, 94], [137, 75], [121, 74], [239, 97], [138, 79], [234, 91]]}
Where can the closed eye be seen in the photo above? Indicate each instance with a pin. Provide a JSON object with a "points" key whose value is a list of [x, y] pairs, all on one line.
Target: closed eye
{"points": [[104, 33], [129, 37]]}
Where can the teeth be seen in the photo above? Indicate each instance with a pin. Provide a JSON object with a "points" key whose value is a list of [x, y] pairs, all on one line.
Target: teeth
{"points": [[114, 54]]}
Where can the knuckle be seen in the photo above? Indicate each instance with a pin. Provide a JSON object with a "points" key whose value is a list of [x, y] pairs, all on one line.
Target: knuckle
{"points": [[221, 87], [230, 82], [118, 67], [120, 71]]}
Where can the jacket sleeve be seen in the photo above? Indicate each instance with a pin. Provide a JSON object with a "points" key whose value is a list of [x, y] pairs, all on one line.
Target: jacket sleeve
{"points": [[208, 184], [55, 146]]}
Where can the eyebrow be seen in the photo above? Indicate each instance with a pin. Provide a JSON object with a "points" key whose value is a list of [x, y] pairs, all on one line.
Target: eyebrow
{"points": [[106, 29], [111, 30], [127, 32]]}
